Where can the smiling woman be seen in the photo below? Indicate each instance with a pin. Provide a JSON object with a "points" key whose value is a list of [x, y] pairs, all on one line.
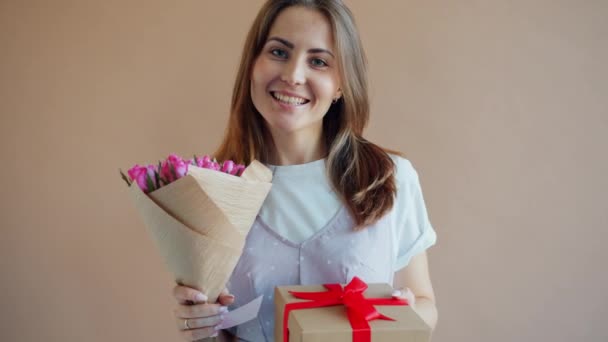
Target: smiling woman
{"points": [[340, 206], [295, 80]]}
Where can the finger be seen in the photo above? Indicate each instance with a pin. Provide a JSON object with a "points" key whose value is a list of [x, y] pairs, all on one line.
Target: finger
{"points": [[226, 298], [405, 293], [197, 334], [196, 323], [398, 294], [188, 295], [199, 310]]}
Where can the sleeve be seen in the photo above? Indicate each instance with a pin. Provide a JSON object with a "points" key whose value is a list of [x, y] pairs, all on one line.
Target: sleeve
{"points": [[413, 230]]}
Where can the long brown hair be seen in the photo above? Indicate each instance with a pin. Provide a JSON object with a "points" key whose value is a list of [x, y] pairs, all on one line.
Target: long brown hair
{"points": [[360, 171]]}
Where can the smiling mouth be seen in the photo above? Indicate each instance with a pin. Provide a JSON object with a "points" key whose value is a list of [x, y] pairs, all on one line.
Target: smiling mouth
{"points": [[289, 100]]}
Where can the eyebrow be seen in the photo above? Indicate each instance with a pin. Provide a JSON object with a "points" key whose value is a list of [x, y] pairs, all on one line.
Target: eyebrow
{"points": [[291, 46]]}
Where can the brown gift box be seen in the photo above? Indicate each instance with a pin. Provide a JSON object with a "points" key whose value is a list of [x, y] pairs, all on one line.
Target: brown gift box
{"points": [[331, 323]]}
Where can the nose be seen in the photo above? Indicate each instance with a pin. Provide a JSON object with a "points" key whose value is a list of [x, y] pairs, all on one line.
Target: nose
{"points": [[294, 72]]}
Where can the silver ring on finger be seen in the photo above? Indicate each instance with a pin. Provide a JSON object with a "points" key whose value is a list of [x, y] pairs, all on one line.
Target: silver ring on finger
{"points": [[186, 326]]}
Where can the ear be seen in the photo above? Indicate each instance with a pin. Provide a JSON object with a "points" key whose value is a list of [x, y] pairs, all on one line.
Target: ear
{"points": [[338, 93]]}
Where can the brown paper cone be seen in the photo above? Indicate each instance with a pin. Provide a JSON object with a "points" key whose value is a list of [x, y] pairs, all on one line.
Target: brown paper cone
{"points": [[199, 223], [239, 199], [187, 201]]}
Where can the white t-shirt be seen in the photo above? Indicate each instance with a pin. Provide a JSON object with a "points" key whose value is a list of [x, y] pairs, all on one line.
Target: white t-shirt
{"points": [[302, 201]]}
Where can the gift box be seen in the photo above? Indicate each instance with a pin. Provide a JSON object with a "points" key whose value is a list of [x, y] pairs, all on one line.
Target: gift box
{"points": [[344, 315]]}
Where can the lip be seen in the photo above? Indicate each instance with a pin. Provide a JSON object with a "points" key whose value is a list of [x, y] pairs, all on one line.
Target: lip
{"points": [[287, 93], [287, 106]]}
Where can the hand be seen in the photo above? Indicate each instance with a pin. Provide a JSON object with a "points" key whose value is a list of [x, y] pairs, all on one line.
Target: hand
{"points": [[407, 294], [195, 318]]}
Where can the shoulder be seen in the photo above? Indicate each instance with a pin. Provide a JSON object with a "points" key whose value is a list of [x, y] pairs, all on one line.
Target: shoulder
{"points": [[410, 213], [405, 173]]}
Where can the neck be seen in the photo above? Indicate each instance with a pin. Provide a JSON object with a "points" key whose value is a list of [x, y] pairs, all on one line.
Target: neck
{"points": [[294, 149]]}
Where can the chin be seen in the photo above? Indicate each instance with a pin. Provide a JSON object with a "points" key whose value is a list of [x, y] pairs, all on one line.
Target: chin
{"points": [[284, 127]]}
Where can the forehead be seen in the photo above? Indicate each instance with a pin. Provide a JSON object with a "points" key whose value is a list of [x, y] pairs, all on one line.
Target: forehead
{"points": [[303, 26]]}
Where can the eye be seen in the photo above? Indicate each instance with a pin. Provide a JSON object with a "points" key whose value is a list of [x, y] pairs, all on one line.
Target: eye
{"points": [[279, 53], [318, 62]]}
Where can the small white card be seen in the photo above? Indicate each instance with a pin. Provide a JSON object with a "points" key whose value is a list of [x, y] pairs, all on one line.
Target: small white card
{"points": [[243, 314]]}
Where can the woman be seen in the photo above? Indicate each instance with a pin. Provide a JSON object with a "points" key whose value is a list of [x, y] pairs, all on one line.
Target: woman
{"points": [[340, 206]]}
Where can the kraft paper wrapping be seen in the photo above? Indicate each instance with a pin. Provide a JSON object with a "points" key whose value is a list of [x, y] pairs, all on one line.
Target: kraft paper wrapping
{"points": [[331, 323], [200, 221]]}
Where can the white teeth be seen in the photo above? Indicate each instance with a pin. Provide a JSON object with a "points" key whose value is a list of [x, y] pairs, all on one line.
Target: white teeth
{"points": [[289, 99]]}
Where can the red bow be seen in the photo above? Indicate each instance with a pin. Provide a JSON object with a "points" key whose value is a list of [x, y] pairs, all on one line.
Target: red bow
{"points": [[360, 309]]}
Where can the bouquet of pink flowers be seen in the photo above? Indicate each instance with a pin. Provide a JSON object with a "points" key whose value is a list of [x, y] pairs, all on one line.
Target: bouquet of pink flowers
{"points": [[199, 212], [152, 177]]}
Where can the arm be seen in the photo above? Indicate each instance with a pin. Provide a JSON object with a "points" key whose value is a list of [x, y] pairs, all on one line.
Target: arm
{"points": [[416, 277]]}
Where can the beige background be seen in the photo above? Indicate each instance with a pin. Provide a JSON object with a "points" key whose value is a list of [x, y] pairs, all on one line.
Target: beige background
{"points": [[499, 104]]}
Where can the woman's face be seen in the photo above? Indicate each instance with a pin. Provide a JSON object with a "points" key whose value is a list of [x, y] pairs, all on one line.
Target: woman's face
{"points": [[295, 77]]}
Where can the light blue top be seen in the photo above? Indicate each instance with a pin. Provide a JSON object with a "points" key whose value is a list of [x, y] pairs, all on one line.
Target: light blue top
{"points": [[302, 201]]}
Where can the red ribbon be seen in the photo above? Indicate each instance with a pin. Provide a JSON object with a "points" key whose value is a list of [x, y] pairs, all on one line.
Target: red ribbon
{"points": [[360, 310]]}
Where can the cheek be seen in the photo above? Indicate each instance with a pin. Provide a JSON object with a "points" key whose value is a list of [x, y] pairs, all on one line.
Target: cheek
{"points": [[257, 76], [256, 83], [328, 85], [262, 74], [325, 89]]}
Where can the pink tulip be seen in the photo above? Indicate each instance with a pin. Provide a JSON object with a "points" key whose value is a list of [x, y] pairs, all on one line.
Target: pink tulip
{"points": [[137, 174], [151, 169], [201, 161], [140, 175], [227, 166], [238, 170], [174, 168], [198, 162], [210, 164]]}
